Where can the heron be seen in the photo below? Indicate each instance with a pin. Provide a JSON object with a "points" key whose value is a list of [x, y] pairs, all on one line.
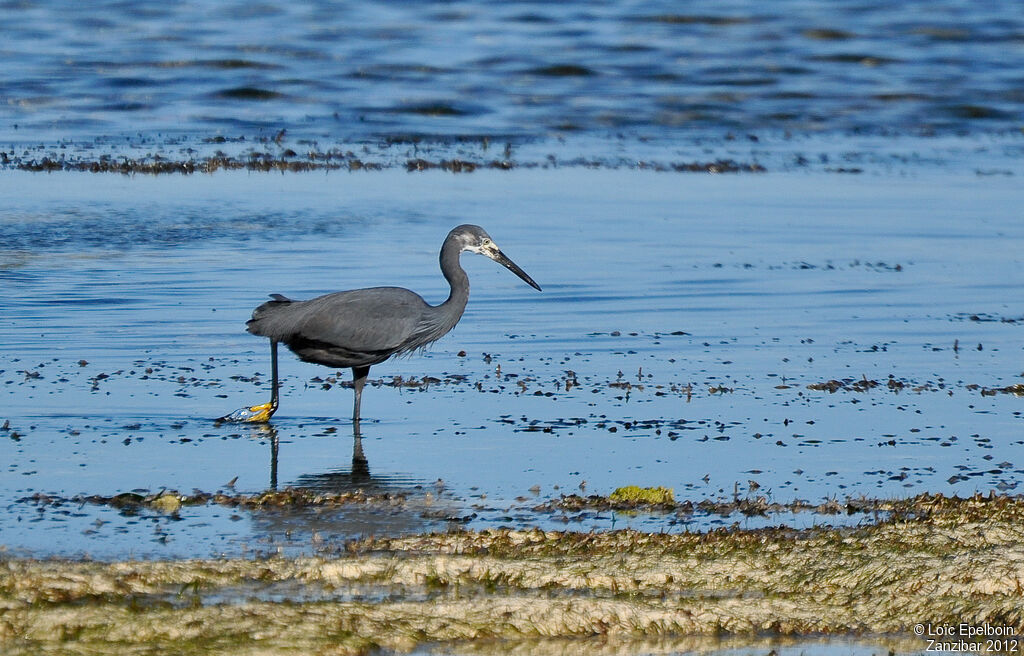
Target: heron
{"points": [[362, 327]]}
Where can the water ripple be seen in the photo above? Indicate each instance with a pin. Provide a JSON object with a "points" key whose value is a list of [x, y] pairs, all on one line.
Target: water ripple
{"points": [[509, 70]]}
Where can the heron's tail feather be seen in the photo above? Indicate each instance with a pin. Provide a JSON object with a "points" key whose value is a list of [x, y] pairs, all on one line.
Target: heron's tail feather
{"points": [[264, 312]]}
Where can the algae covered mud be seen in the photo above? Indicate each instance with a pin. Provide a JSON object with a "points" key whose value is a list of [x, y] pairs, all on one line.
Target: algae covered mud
{"points": [[940, 563]]}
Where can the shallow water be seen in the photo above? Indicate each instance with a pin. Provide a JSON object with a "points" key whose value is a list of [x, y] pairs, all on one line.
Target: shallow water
{"points": [[123, 336]]}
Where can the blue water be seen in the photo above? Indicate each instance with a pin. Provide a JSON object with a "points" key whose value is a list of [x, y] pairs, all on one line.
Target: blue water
{"points": [[690, 311], [173, 76]]}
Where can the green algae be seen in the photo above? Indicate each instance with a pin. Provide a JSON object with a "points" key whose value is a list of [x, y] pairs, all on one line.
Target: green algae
{"points": [[642, 495]]}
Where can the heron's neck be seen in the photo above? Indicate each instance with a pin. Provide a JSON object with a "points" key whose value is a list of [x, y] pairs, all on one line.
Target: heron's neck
{"points": [[457, 279]]}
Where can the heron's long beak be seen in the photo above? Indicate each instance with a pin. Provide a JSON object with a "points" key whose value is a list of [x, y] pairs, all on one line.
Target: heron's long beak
{"points": [[503, 260]]}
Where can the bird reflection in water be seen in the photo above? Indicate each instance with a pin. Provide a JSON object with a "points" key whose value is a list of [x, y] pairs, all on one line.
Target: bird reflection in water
{"points": [[419, 511], [358, 477]]}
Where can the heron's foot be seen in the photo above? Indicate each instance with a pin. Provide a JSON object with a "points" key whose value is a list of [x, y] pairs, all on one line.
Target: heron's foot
{"points": [[256, 414]]}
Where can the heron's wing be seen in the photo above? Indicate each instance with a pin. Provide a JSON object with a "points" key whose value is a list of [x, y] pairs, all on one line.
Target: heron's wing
{"points": [[376, 320]]}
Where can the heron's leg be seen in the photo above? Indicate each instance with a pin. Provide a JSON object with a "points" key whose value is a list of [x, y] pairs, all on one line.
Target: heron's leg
{"points": [[258, 414], [359, 375], [360, 467], [275, 386]]}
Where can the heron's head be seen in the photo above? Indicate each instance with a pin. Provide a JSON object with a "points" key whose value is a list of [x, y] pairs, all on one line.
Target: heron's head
{"points": [[475, 239]]}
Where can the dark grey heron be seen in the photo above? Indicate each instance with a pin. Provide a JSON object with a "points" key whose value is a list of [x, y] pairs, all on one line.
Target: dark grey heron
{"points": [[363, 327]]}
